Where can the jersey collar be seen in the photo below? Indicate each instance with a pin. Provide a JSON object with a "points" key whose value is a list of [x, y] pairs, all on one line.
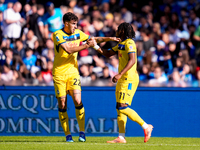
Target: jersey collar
{"points": [[65, 32]]}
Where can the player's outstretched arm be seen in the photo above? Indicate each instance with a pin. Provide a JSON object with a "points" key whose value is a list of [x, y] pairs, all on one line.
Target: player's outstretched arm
{"points": [[69, 49], [106, 39], [105, 52]]}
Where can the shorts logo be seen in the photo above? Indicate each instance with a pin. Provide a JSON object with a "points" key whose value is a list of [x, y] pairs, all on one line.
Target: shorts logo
{"points": [[58, 92]]}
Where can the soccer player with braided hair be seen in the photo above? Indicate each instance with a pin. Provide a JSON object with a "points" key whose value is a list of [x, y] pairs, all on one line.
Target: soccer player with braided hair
{"points": [[127, 81]]}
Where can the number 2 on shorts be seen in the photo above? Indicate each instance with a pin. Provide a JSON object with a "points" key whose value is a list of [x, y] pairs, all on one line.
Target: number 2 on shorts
{"points": [[77, 82]]}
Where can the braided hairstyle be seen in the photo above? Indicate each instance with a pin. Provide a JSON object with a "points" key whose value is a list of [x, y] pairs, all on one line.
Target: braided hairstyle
{"points": [[69, 16], [128, 30]]}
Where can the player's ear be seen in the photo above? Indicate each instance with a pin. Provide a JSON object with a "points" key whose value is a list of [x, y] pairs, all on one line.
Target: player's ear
{"points": [[66, 23]]}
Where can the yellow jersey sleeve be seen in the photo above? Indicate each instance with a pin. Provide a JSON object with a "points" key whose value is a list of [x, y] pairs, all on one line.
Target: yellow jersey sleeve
{"points": [[115, 48], [130, 46], [83, 36], [58, 38]]}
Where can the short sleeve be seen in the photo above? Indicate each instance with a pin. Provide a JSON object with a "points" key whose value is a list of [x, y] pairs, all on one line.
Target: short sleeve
{"points": [[130, 46], [83, 36], [58, 39], [115, 48]]}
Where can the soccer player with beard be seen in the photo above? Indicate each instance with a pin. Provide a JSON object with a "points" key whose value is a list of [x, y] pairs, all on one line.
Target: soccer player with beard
{"points": [[65, 70]]}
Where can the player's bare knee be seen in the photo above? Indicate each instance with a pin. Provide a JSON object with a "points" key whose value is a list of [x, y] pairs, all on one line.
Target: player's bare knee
{"points": [[62, 103], [77, 102]]}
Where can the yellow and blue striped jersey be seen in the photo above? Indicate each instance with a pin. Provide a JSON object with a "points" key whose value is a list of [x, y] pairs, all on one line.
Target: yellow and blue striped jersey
{"points": [[124, 48], [65, 63]]}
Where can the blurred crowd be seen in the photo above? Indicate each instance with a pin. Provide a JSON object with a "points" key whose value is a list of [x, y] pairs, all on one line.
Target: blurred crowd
{"points": [[167, 40]]}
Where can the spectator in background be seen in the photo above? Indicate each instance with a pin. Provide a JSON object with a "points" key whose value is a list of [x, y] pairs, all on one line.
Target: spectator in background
{"points": [[12, 22], [36, 24], [167, 63], [114, 6], [179, 63], [174, 20], [185, 43], [30, 59], [30, 39], [159, 54], [106, 74], [3, 6], [164, 22], [52, 20], [113, 66], [85, 74], [19, 48], [105, 7], [47, 73], [144, 24], [186, 76], [38, 80], [9, 56], [8, 74], [156, 32], [50, 55], [147, 41], [144, 74], [27, 11], [126, 14], [196, 83], [108, 25], [48, 45], [176, 80], [98, 26], [159, 77], [173, 34], [99, 65], [193, 18]]}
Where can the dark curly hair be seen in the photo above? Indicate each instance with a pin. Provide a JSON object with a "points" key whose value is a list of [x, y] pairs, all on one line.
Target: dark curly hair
{"points": [[128, 30], [69, 16]]}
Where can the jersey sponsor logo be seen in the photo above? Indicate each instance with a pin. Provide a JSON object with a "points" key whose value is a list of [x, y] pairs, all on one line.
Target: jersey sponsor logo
{"points": [[72, 44], [121, 47], [72, 37]]}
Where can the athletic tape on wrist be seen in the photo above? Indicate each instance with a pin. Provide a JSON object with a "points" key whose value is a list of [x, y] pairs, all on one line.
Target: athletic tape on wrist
{"points": [[96, 47]]}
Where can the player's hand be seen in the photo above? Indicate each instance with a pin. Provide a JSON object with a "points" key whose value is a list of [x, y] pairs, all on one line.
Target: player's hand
{"points": [[115, 39], [91, 42], [116, 78]]}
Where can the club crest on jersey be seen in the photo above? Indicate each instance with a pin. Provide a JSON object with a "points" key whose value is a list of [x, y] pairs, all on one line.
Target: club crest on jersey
{"points": [[130, 47]]}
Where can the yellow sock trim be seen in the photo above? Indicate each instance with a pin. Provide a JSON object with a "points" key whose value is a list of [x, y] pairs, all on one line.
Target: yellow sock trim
{"points": [[63, 117], [131, 114], [80, 116], [121, 120]]}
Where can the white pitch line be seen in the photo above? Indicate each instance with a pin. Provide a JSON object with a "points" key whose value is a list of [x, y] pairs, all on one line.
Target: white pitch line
{"points": [[144, 144]]}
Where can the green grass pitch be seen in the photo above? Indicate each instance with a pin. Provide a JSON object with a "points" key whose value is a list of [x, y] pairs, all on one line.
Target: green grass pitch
{"points": [[96, 143]]}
